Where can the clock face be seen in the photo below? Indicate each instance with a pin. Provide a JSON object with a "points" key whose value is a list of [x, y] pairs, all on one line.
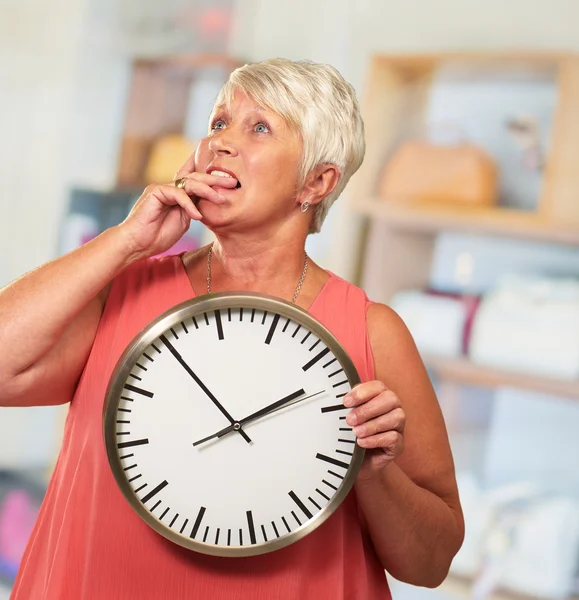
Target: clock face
{"points": [[225, 428]]}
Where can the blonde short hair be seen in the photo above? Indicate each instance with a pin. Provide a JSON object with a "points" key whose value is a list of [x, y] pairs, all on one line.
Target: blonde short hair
{"points": [[316, 101]]}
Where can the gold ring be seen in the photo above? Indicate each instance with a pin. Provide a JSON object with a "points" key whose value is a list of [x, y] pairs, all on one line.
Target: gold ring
{"points": [[180, 183]]}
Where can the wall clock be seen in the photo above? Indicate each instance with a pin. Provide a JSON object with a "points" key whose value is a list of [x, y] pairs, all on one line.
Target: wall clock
{"points": [[224, 424]]}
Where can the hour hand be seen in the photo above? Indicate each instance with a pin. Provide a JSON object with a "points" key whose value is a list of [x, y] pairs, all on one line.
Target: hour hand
{"points": [[297, 396]]}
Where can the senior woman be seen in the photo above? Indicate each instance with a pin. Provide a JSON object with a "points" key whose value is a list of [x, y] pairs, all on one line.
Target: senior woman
{"points": [[284, 139]]}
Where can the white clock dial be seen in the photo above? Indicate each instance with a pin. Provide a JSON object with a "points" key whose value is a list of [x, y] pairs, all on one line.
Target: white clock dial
{"points": [[225, 427]]}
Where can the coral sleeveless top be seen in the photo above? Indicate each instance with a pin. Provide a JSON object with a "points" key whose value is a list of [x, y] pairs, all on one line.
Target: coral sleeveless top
{"points": [[88, 544]]}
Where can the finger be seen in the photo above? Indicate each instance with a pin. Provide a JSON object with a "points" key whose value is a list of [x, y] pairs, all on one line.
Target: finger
{"points": [[172, 196], [392, 443], [200, 185], [187, 168], [364, 392], [393, 421], [377, 406]]}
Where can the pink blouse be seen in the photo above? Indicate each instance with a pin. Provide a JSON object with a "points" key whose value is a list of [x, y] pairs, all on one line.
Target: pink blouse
{"points": [[88, 544]]}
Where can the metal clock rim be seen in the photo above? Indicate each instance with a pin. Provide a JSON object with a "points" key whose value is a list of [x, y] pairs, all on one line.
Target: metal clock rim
{"points": [[175, 314]]}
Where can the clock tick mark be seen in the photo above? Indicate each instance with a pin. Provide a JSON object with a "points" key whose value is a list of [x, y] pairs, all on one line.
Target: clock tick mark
{"points": [[286, 325], [217, 536], [335, 474], [197, 523], [301, 505], [296, 518], [264, 534], [330, 485], [333, 407], [332, 461], [322, 494], [344, 452], [141, 366], [148, 357], [314, 503], [206, 533], [184, 327], [330, 363], [141, 442], [316, 359], [286, 525], [219, 324], [297, 329], [138, 390], [341, 383], [157, 349], [275, 529], [307, 336], [140, 488], [173, 520], [135, 478], [174, 334], [195, 322], [315, 345], [251, 526], [183, 526], [164, 513], [272, 329], [154, 491], [156, 504], [264, 317]]}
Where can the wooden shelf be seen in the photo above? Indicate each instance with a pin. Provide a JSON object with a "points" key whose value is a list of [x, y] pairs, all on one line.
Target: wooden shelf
{"points": [[461, 370], [492, 221], [460, 587]]}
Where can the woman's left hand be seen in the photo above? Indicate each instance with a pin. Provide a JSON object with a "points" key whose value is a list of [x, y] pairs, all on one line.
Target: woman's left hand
{"points": [[378, 421]]}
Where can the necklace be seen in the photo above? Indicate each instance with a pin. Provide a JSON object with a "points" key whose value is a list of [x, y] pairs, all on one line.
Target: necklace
{"points": [[298, 288]]}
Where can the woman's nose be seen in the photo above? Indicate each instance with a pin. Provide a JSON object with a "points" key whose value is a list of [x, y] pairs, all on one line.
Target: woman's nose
{"points": [[222, 143]]}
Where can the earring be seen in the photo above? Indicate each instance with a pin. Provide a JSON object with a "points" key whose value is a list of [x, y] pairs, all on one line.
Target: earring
{"points": [[304, 207]]}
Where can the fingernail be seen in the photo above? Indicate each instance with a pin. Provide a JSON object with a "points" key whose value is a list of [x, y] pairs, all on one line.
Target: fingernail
{"points": [[348, 400], [351, 419], [358, 431]]}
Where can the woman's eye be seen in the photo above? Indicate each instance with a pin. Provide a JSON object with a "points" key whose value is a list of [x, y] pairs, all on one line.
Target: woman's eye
{"points": [[217, 125], [261, 128]]}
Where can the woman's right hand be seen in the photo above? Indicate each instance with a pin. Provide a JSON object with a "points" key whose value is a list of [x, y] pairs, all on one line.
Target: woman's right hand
{"points": [[163, 213]]}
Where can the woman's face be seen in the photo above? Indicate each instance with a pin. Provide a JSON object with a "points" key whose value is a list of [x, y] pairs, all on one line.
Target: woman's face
{"points": [[256, 147]]}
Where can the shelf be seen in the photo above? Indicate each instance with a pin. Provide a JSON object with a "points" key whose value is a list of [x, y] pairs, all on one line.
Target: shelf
{"points": [[461, 587], [461, 370], [493, 221]]}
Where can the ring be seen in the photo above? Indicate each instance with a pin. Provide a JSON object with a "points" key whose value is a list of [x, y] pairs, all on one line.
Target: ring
{"points": [[180, 183]]}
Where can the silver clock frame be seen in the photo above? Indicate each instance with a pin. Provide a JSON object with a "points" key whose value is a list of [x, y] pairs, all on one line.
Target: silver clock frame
{"points": [[173, 316]]}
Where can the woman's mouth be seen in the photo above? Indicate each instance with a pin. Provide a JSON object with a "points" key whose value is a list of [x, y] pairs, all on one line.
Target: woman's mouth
{"points": [[220, 173]]}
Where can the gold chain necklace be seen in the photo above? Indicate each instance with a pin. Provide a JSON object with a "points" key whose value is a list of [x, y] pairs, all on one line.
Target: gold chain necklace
{"points": [[298, 288]]}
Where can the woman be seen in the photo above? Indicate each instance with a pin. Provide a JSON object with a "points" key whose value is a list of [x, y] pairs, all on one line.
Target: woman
{"points": [[284, 139]]}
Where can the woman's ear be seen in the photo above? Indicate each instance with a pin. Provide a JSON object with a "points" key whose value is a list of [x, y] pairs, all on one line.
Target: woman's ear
{"points": [[320, 182]]}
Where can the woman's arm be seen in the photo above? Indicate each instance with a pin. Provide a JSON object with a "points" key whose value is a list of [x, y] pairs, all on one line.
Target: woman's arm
{"points": [[49, 317], [48, 320], [407, 488]]}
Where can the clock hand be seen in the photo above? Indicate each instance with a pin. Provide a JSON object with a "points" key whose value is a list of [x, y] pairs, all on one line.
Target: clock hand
{"points": [[203, 387], [270, 408]]}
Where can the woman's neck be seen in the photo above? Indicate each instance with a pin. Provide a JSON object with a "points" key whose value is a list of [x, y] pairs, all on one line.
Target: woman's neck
{"points": [[257, 266]]}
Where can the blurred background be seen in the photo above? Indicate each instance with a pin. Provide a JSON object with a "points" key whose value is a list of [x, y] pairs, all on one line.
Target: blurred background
{"points": [[464, 218]]}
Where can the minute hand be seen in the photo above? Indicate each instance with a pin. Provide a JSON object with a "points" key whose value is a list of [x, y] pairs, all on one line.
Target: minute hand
{"points": [[203, 387], [283, 403]]}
